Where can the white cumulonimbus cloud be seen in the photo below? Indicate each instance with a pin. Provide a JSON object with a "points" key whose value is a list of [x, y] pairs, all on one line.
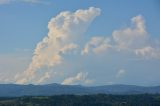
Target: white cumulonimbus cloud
{"points": [[80, 78], [64, 30], [134, 39]]}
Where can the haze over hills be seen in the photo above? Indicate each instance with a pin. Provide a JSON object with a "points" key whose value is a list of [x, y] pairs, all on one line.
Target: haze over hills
{"points": [[14, 90]]}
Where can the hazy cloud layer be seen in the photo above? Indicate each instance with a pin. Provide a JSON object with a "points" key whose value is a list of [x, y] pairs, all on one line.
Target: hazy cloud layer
{"points": [[25, 1], [10, 64]]}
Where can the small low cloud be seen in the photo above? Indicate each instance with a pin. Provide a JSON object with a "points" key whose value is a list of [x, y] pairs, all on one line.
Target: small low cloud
{"points": [[120, 73], [80, 78]]}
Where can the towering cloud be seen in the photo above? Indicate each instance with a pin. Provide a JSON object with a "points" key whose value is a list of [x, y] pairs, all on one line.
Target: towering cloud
{"points": [[64, 30]]}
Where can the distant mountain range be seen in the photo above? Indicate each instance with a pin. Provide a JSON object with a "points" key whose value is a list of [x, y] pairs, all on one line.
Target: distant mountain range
{"points": [[14, 90]]}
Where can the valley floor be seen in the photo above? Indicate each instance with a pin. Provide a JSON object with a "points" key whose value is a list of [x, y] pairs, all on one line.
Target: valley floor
{"points": [[83, 100]]}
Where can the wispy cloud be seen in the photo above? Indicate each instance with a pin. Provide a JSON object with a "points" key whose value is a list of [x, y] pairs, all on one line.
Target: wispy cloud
{"points": [[96, 45], [148, 52], [24, 1], [5, 1]]}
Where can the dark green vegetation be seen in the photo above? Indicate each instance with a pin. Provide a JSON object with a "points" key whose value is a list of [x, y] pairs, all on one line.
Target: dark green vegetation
{"points": [[84, 100]]}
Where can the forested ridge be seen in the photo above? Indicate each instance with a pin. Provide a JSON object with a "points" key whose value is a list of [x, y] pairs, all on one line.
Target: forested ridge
{"points": [[14, 90]]}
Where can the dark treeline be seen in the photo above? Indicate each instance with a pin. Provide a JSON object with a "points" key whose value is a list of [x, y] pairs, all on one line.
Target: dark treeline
{"points": [[84, 100]]}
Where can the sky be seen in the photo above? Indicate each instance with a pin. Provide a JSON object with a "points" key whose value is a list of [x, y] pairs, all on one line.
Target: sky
{"points": [[90, 42]]}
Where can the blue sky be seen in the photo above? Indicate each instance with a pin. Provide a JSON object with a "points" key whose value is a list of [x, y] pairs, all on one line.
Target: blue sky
{"points": [[23, 24]]}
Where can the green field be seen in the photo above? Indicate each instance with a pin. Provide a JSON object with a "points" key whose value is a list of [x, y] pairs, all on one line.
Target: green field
{"points": [[83, 100]]}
